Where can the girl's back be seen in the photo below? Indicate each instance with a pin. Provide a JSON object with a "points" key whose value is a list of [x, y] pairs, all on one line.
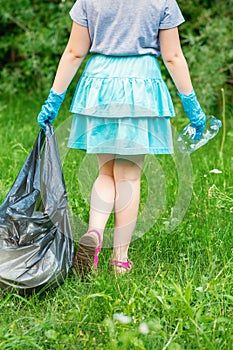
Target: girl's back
{"points": [[126, 27]]}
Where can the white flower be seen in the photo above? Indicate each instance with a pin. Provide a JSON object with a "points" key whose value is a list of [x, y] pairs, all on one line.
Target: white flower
{"points": [[122, 318], [216, 171], [143, 328]]}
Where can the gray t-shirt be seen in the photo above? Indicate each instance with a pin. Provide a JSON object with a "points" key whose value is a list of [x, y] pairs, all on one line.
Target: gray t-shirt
{"points": [[126, 27]]}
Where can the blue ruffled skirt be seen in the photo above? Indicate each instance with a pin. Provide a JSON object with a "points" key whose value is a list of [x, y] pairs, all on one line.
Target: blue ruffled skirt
{"points": [[122, 106]]}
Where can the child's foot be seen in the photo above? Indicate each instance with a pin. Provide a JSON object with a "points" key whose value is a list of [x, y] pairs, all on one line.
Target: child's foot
{"points": [[122, 267], [86, 257]]}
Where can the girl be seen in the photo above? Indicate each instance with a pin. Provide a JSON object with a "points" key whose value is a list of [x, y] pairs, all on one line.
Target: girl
{"points": [[122, 107]]}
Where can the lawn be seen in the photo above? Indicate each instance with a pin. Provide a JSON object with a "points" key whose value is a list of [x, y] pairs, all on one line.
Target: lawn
{"points": [[180, 293]]}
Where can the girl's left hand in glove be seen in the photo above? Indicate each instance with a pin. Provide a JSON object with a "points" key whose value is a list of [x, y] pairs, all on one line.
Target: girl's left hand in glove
{"points": [[50, 109]]}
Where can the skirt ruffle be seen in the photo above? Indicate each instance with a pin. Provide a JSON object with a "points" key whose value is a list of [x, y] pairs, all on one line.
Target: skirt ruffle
{"points": [[124, 136], [122, 87]]}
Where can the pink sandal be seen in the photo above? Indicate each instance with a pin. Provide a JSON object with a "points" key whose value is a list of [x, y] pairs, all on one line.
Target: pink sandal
{"points": [[127, 265], [87, 255]]}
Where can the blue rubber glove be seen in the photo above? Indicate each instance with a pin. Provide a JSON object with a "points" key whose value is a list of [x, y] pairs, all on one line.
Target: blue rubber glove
{"points": [[50, 109], [194, 112]]}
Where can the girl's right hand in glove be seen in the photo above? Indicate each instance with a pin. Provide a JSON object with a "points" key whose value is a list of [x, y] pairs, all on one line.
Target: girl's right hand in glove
{"points": [[194, 112]]}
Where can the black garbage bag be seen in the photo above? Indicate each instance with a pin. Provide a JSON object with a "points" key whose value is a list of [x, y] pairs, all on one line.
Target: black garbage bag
{"points": [[36, 243]]}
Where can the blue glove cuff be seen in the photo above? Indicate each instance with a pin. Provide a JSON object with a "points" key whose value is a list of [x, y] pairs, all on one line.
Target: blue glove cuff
{"points": [[57, 98]]}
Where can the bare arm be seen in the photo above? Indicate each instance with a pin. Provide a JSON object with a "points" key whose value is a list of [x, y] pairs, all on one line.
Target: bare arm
{"points": [[174, 59], [72, 57]]}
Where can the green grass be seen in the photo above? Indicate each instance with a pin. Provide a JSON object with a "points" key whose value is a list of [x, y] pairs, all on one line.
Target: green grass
{"points": [[181, 289]]}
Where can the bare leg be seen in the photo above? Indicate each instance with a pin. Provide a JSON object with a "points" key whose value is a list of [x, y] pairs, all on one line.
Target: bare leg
{"points": [[127, 175], [103, 194], [102, 201]]}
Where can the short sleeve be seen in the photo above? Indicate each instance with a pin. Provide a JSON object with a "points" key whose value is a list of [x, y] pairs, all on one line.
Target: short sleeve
{"points": [[78, 13], [172, 16]]}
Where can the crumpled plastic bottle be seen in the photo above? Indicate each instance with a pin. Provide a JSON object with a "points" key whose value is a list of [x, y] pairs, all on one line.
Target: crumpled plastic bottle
{"points": [[186, 140]]}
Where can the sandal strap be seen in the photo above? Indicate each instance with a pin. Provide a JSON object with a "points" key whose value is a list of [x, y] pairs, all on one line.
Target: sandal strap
{"points": [[98, 234], [128, 265], [98, 248], [96, 257]]}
